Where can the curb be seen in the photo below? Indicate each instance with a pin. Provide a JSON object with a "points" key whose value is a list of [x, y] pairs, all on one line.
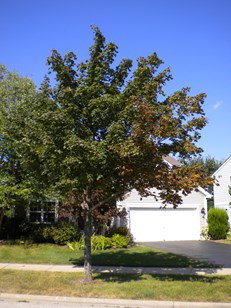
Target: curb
{"points": [[94, 302]]}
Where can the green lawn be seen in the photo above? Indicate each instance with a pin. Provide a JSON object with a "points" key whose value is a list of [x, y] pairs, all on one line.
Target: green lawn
{"points": [[136, 286], [227, 241], [133, 256]]}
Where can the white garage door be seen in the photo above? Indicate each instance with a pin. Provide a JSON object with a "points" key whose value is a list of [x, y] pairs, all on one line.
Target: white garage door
{"points": [[165, 224]]}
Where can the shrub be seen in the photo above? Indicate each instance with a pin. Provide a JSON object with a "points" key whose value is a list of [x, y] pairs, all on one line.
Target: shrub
{"points": [[63, 232], [41, 233], [100, 242], [59, 233], [76, 245], [11, 228], [120, 241], [218, 225], [118, 230]]}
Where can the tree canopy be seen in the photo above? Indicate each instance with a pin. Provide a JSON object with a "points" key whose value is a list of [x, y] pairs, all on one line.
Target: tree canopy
{"points": [[208, 164], [103, 130], [16, 92]]}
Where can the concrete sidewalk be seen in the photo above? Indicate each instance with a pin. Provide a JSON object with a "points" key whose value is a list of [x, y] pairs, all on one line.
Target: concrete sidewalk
{"points": [[10, 300], [117, 270]]}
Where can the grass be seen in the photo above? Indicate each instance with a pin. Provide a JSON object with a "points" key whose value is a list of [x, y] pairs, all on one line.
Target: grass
{"points": [[227, 241], [133, 256], [136, 286]]}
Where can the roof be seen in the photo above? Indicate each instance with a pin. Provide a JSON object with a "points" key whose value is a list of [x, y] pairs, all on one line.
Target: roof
{"points": [[224, 163], [172, 161]]}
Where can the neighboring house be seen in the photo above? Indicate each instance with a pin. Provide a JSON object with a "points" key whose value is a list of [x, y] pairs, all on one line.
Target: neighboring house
{"points": [[149, 221], [43, 212], [222, 197]]}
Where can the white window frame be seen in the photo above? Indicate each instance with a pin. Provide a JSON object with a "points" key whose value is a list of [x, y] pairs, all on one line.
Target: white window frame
{"points": [[42, 211]]}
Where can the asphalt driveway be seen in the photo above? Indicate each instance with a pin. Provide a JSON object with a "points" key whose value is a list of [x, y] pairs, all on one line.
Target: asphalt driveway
{"points": [[212, 252]]}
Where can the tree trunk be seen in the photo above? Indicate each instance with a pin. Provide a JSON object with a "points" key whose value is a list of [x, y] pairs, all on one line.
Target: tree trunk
{"points": [[87, 246]]}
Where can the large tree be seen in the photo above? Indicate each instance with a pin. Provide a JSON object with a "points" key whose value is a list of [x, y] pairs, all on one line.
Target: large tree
{"points": [[103, 130], [16, 93]]}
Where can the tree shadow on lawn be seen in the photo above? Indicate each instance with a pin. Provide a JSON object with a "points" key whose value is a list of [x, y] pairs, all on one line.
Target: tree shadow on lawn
{"points": [[124, 278], [130, 258]]}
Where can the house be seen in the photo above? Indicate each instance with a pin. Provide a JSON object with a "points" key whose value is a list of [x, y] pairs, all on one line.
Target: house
{"points": [[43, 212], [148, 220], [222, 197]]}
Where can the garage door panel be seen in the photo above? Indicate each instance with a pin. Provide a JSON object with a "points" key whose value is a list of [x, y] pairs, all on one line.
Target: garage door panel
{"points": [[165, 224]]}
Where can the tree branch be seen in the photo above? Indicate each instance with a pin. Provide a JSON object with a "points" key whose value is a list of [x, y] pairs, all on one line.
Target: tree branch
{"points": [[103, 202]]}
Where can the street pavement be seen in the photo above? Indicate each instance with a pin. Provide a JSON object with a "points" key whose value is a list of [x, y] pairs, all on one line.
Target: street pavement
{"points": [[8, 300]]}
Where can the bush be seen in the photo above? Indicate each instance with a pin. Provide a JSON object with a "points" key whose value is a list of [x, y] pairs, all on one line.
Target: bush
{"points": [[120, 241], [123, 231], [118, 230], [218, 224], [59, 233], [100, 242], [11, 228], [41, 233], [63, 232]]}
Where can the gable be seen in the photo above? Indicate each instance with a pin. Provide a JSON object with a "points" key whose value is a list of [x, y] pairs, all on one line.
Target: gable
{"points": [[226, 164]]}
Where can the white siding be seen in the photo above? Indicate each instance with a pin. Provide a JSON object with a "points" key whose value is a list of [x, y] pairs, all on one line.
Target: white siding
{"points": [[194, 202], [221, 193]]}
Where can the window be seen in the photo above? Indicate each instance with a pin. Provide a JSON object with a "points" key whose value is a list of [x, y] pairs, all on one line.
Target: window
{"points": [[42, 212]]}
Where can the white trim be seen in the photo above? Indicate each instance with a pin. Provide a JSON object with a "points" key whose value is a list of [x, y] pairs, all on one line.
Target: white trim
{"points": [[223, 203], [146, 206], [168, 163], [204, 192], [225, 162], [195, 207]]}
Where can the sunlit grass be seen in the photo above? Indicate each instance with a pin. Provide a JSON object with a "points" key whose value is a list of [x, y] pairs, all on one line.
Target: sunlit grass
{"points": [[133, 256], [136, 286]]}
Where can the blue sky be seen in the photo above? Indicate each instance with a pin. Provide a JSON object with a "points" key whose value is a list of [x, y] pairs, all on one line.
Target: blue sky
{"points": [[192, 37]]}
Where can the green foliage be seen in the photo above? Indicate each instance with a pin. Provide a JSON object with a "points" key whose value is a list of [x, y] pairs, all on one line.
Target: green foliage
{"points": [[95, 132], [16, 95], [59, 233], [63, 232], [118, 230], [218, 225], [120, 241], [13, 228], [123, 231], [100, 242], [103, 130], [41, 233], [209, 165]]}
